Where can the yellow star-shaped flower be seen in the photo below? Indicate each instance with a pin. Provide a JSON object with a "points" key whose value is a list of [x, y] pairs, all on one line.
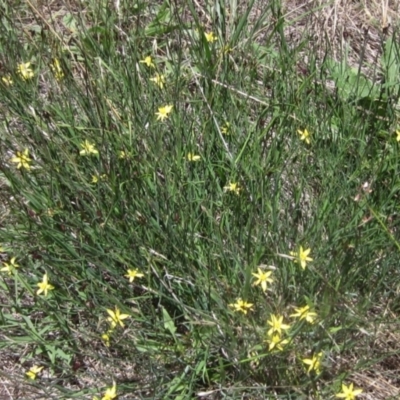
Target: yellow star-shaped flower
{"points": [[210, 37], [314, 363], [232, 187], [44, 286], [242, 306], [348, 393], [148, 61], [31, 374], [163, 112], [263, 277], [304, 135], [159, 80], [25, 71], [115, 317], [87, 149], [305, 313], [22, 159], [10, 267], [302, 256], [132, 274], [275, 342], [276, 324]]}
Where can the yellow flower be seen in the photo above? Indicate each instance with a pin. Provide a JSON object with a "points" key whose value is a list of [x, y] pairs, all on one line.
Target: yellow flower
{"points": [[57, 70], [226, 128], [123, 155], [106, 338], [87, 149], [304, 135], [7, 80], [148, 61], [305, 313], [397, 133], [348, 393], [25, 71], [31, 374], [95, 178], [116, 317], [159, 80], [277, 325], [132, 274], [314, 363], [22, 159], [242, 306], [262, 278], [163, 112], [275, 342], [302, 256], [44, 286], [193, 157], [110, 393], [9, 268], [232, 187], [210, 37]]}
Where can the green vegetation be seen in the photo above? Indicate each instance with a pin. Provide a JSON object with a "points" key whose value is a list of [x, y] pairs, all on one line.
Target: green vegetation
{"points": [[194, 205]]}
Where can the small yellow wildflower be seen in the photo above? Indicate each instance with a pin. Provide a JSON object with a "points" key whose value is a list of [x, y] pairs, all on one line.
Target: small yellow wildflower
{"points": [[44, 286], [263, 277], [305, 313], [116, 317], [7, 80], [148, 61], [304, 135], [25, 71], [159, 80], [132, 274], [96, 178], [9, 268], [163, 112], [31, 374], [275, 342], [398, 135], [232, 187], [277, 325], [210, 37], [87, 149], [57, 70], [106, 338], [348, 393], [123, 155], [242, 306], [193, 157], [110, 393], [22, 159], [226, 128], [314, 363], [302, 256]]}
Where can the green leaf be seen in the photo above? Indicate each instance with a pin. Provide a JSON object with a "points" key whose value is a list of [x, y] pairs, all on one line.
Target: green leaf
{"points": [[169, 324]]}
